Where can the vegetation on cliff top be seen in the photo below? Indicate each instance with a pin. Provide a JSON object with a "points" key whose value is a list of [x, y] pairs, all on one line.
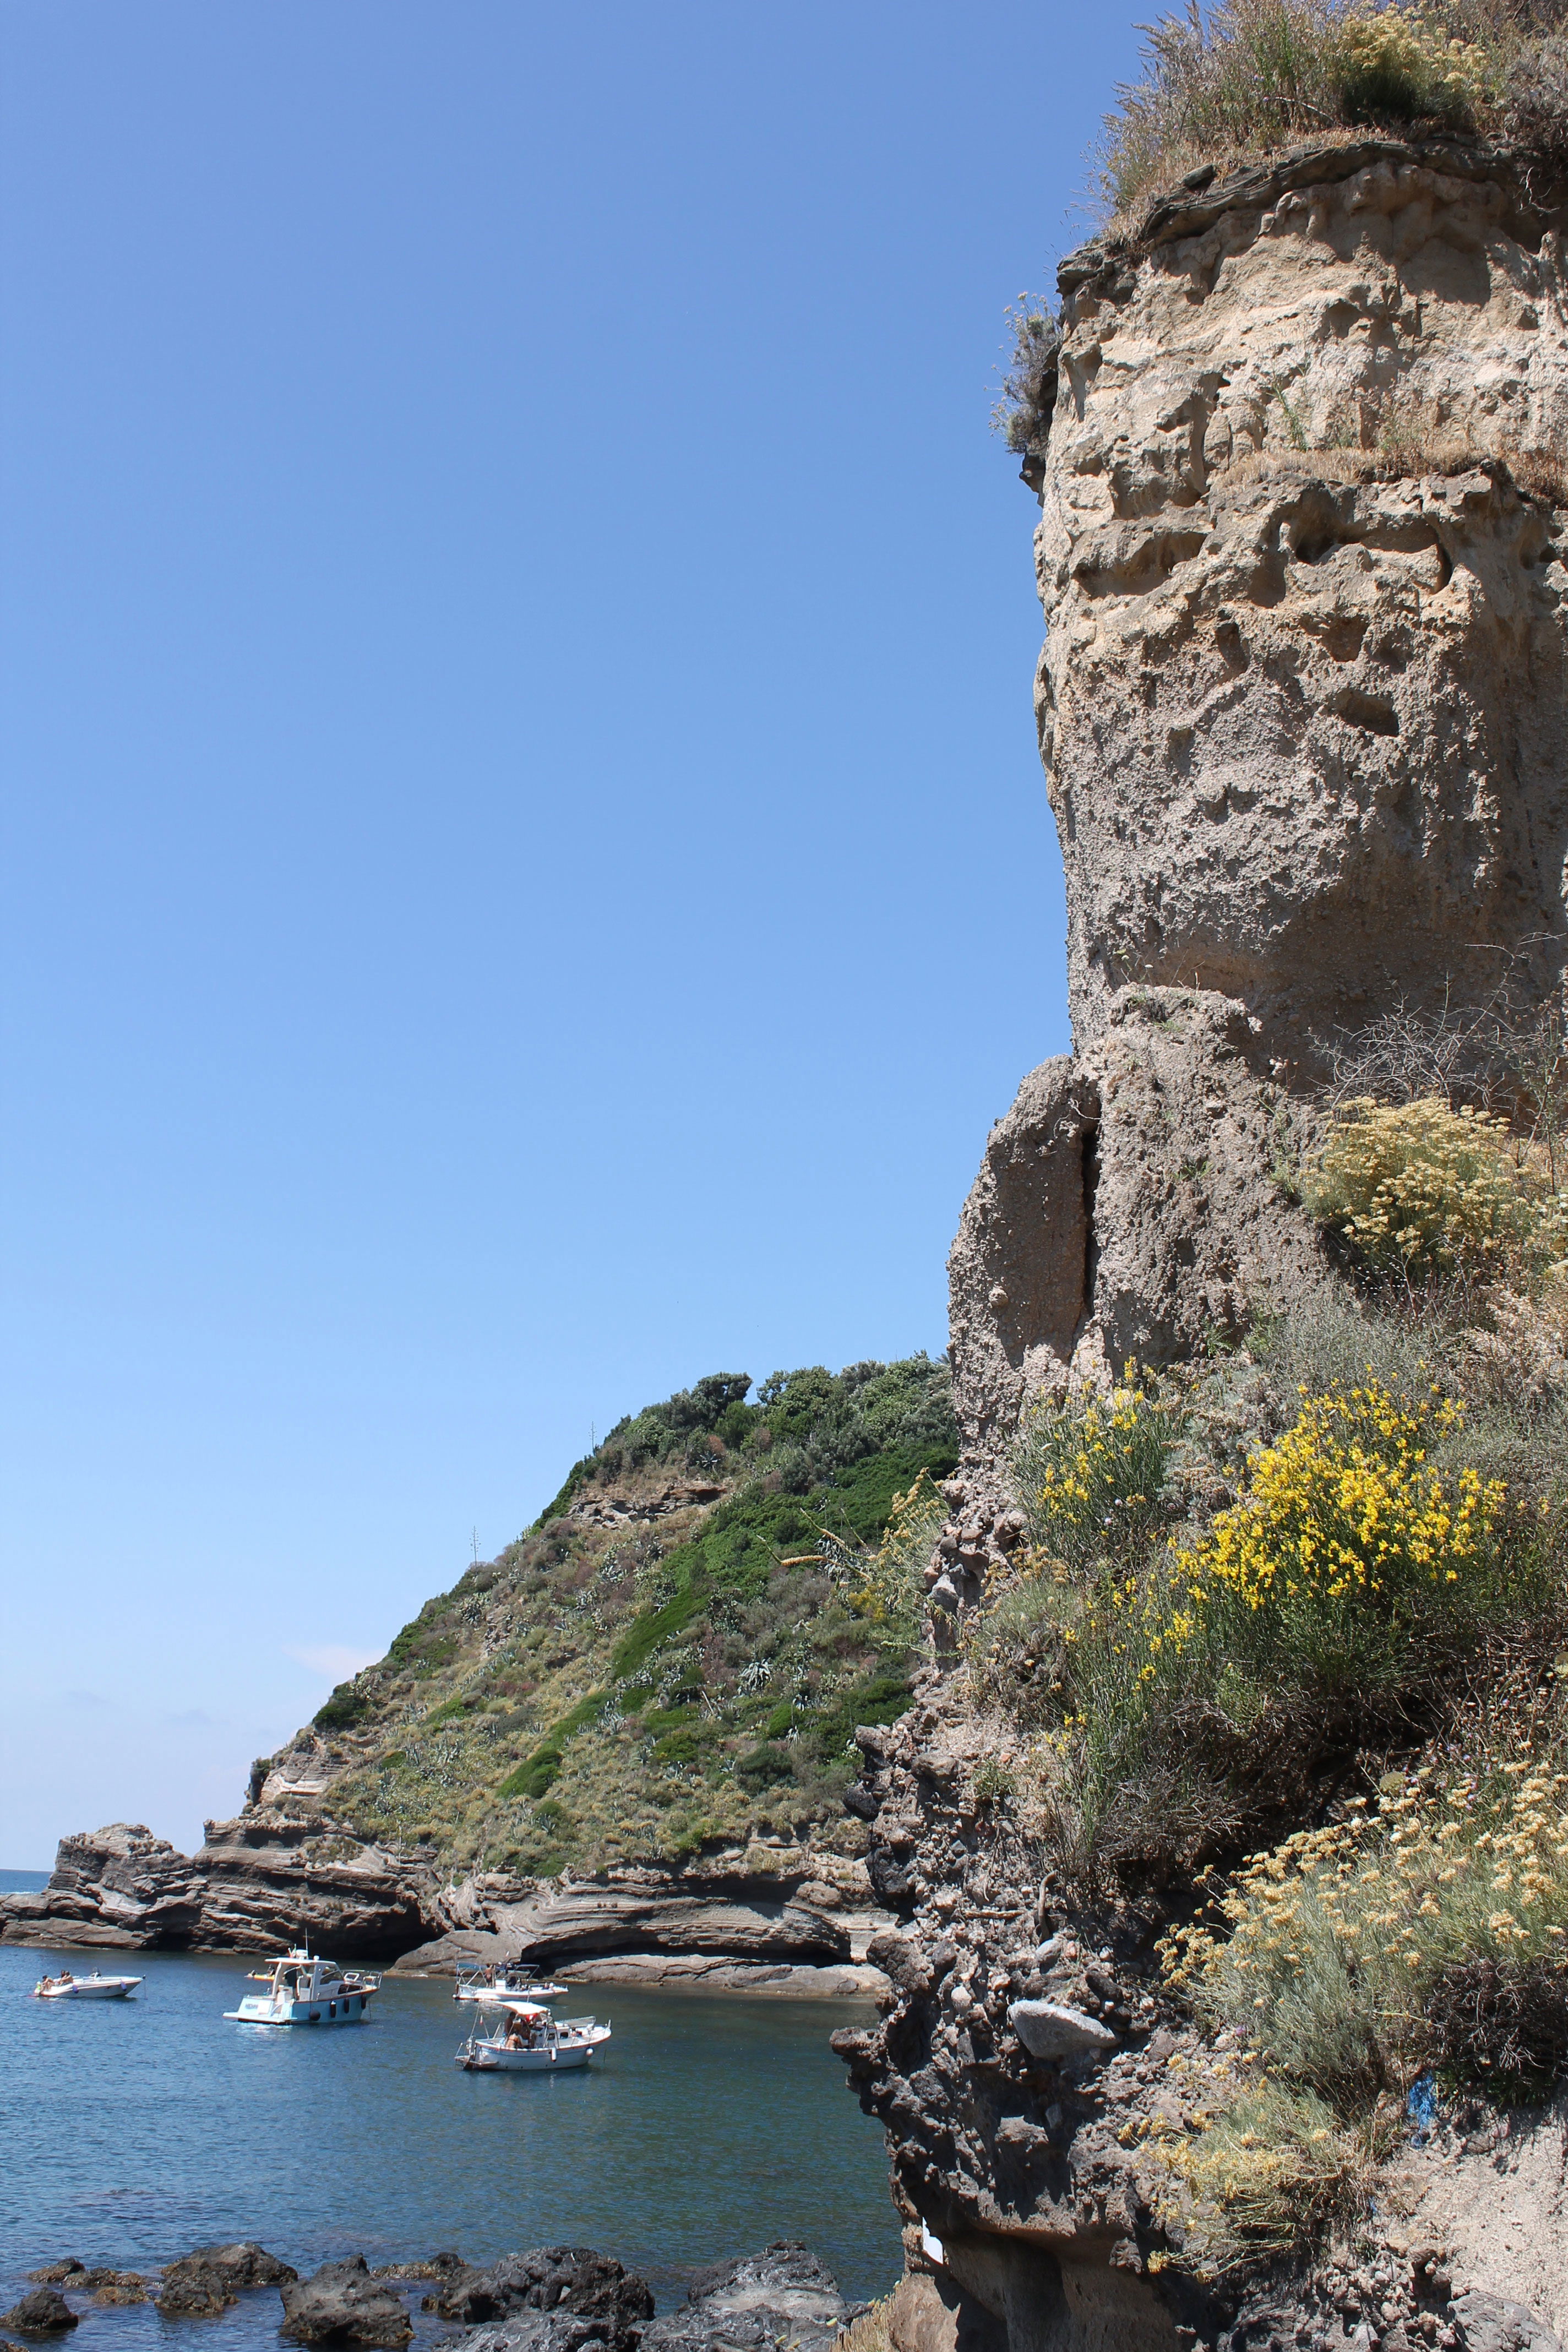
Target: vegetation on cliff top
{"points": [[1221, 86], [677, 1653]]}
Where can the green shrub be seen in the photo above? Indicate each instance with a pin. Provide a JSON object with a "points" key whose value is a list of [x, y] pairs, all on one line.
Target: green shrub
{"points": [[1275, 2171], [765, 1767], [1247, 75], [540, 1771], [1351, 1582], [347, 1706]]}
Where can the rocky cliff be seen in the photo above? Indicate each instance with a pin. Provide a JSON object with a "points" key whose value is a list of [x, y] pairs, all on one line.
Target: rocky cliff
{"points": [[1301, 711]]}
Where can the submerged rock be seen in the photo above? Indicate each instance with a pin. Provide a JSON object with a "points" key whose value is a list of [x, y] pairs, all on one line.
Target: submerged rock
{"points": [[342, 2304]]}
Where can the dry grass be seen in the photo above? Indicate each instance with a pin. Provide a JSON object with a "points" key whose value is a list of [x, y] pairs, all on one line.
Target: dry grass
{"points": [[1250, 76]]}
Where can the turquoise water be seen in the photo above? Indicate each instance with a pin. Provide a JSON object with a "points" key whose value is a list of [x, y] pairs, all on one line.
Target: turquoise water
{"points": [[132, 2131]]}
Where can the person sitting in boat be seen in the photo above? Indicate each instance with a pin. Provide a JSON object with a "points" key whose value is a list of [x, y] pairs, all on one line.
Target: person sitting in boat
{"points": [[516, 2038], [65, 1977]]}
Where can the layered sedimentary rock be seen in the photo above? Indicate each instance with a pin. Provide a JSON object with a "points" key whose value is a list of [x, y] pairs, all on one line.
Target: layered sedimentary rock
{"points": [[1301, 709], [259, 1885], [265, 1880]]}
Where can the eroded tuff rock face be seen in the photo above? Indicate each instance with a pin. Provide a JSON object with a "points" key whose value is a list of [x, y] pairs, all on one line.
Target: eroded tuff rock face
{"points": [[1302, 712], [269, 1877], [1129, 1207], [1306, 734]]}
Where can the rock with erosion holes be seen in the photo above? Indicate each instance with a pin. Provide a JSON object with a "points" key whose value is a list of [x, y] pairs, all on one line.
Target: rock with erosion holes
{"points": [[1485, 2323], [342, 2304], [783, 2296], [209, 2278], [560, 2279], [44, 2312], [1048, 2029]]}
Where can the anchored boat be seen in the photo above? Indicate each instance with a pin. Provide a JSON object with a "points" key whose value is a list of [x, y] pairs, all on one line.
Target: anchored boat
{"points": [[505, 1981], [65, 1987], [531, 2043], [306, 1991]]}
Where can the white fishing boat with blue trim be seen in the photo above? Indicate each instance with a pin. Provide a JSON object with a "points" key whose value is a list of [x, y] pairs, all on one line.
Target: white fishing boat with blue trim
{"points": [[302, 1990], [531, 2043]]}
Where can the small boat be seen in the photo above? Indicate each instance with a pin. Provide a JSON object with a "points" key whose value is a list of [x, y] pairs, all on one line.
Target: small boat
{"points": [[65, 1987], [306, 1991], [531, 2043], [509, 1981]]}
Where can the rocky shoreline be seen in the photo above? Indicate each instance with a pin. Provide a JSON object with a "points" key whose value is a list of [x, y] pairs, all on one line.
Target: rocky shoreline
{"points": [[550, 2299], [793, 1921]]}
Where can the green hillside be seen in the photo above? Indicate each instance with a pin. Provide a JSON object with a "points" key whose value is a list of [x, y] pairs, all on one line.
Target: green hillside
{"points": [[677, 1653]]}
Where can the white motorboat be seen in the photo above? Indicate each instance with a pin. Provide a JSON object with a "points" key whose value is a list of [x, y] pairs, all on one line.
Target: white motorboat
{"points": [[306, 1991], [65, 1987], [508, 1980], [531, 2043]]}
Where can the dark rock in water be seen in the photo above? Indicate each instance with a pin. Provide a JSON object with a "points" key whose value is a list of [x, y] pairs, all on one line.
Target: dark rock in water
{"points": [[44, 2312], [57, 2273], [561, 2280], [783, 2296], [209, 2278], [342, 2304]]}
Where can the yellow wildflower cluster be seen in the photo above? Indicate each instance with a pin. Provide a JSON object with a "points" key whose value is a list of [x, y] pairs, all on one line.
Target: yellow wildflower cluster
{"points": [[1419, 1188], [1088, 1472], [1336, 1937], [1348, 1507], [1378, 46]]}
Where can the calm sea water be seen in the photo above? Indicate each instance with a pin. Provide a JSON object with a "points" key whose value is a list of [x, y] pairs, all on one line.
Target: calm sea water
{"points": [[134, 2130]]}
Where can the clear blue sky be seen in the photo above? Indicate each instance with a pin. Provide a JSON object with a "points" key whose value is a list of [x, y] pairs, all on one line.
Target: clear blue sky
{"points": [[526, 873]]}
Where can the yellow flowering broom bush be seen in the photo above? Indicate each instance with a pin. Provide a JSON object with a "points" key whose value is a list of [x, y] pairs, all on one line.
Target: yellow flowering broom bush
{"points": [[1419, 1189], [1328, 1604], [1348, 1545], [1090, 1472]]}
